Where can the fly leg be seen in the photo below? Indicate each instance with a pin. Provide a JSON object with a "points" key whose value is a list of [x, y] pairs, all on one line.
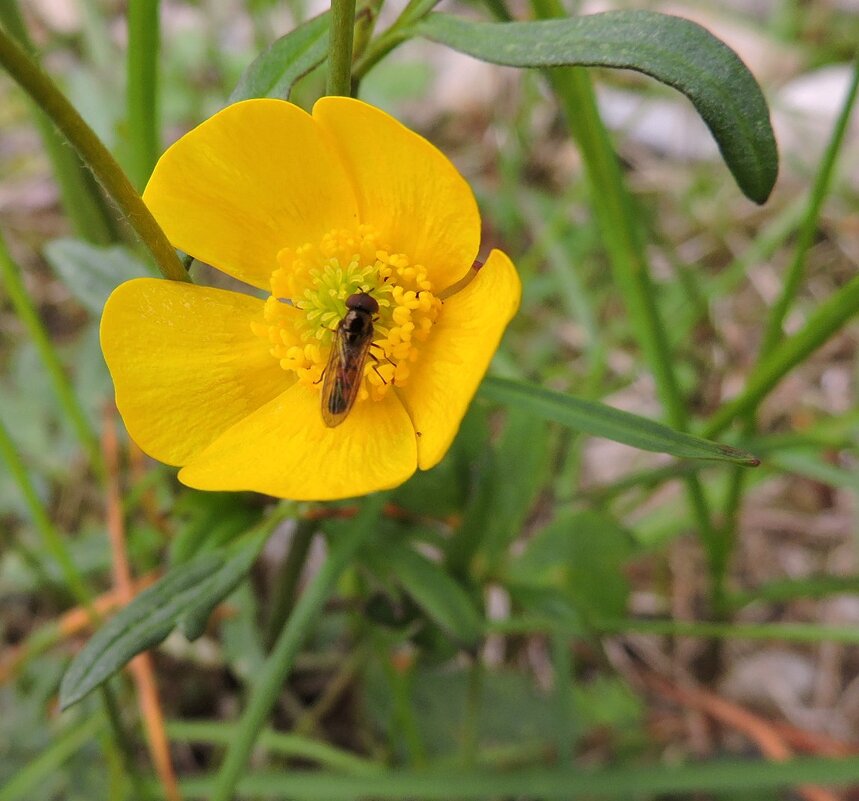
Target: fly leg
{"points": [[377, 361]]}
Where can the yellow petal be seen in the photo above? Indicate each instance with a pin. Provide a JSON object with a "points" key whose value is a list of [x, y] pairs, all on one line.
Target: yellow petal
{"points": [[456, 355], [256, 177], [185, 363], [406, 189], [286, 450]]}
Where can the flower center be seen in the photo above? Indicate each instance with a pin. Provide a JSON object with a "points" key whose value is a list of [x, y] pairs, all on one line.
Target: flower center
{"points": [[308, 301]]}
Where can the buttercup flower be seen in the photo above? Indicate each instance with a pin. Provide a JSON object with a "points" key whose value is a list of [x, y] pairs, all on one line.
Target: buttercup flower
{"points": [[312, 209]]}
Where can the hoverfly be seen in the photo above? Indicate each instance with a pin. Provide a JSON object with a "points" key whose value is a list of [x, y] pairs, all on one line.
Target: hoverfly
{"points": [[345, 368]]}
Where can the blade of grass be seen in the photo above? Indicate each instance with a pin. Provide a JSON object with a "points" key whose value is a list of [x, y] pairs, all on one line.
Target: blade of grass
{"points": [[26, 783], [617, 221], [829, 317], [779, 358], [48, 354], [287, 745], [796, 271], [82, 201], [786, 590], [142, 89], [781, 632], [773, 332], [92, 151], [265, 690], [52, 542], [56, 547], [739, 775]]}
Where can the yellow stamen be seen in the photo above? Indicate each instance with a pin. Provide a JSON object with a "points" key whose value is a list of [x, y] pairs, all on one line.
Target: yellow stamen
{"points": [[309, 289]]}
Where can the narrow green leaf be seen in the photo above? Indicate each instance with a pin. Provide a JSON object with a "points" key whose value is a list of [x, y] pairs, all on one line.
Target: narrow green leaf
{"points": [[218, 586], [784, 590], [600, 420], [288, 745], [185, 597], [673, 50], [435, 591], [91, 272], [621, 782], [273, 72]]}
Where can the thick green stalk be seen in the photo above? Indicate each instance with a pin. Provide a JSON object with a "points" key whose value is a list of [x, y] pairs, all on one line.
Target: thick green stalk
{"points": [[82, 201], [616, 217], [267, 685], [142, 91], [340, 48], [27, 314], [94, 154]]}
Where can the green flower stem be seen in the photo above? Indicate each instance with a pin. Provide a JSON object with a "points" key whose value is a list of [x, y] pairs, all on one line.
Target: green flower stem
{"points": [[82, 201], [93, 153], [616, 217], [267, 685], [142, 94], [340, 48], [27, 314]]}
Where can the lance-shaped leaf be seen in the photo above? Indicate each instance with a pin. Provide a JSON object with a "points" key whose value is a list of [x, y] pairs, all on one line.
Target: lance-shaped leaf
{"points": [[675, 51], [273, 72], [600, 420], [183, 597]]}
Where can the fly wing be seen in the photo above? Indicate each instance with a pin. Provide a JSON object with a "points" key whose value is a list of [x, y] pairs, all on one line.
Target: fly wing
{"points": [[343, 375]]}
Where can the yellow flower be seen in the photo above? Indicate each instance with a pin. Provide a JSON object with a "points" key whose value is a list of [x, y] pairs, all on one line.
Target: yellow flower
{"points": [[311, 209]]}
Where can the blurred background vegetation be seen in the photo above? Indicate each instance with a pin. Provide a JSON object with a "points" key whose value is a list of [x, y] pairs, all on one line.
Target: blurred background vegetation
{"points": [[599, 637]]}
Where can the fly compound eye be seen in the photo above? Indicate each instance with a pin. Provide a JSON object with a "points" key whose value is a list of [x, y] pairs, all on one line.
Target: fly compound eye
{"points": [[361, 301]]}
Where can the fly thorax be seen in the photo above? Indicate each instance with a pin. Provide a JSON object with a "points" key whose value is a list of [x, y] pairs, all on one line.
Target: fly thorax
{"points": [[307, 305]]}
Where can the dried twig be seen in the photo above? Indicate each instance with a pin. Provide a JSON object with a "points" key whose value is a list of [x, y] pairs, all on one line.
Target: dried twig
{"points": [[141, 666], [763, 733]]}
